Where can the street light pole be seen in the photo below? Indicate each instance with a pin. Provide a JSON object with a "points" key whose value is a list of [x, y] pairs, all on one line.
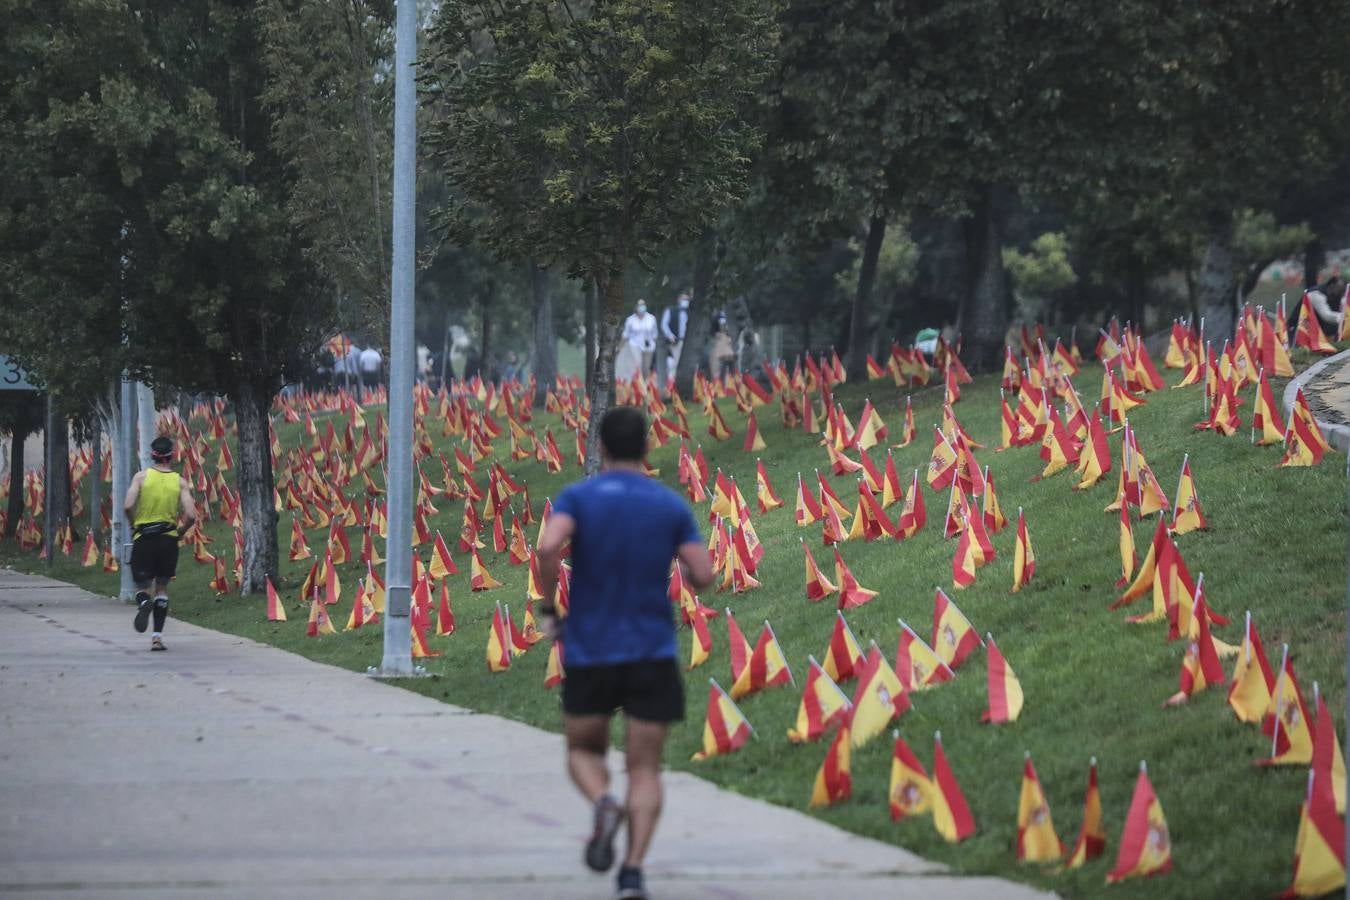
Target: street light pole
{"points": [[398, 552]]}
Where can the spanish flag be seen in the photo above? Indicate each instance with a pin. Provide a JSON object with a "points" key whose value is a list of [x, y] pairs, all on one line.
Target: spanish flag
{"points": [[822, 705], [1328, 761], [1286, 720], [442, 565], [916, 664], [879, 698], [907, 432], [725, 728], [445, 616], [767, 667], [1200, 666], [717, 426], [1005, 691], [851, 594], [754, 441], [764, 493], [498, 643], [1036, 838], [1266, 415], [1095, 459], [951, 815], [871, 429], [700, 643], [419, 647], [891, 489], [1129, 556], [954, 638], [319, 622], [833, 781], [1023, 557], [1145, 844], [1253, 684], [912, 514], [738, 648], [808, 510], [966, 559], [818, 587], [911, 790], [276, 610], [1319, 849], [479, 577], [1092, 836], [553, 671], [843, 657], [941, 463], [1308, 332], [91, 554]]}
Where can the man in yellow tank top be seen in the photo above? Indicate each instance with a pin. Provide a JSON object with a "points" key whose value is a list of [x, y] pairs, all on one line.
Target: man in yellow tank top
{"points": [[156, 502]]}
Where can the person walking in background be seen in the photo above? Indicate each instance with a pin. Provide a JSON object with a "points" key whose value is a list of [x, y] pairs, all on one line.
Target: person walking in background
{"points": [[722, 355], [372, 364], [640, 332], [619, 635], [157, 499], [674, 326]]}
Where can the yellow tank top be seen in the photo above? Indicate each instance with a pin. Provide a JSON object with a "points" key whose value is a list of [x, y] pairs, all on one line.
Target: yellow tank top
{"points": [[158, 501]]}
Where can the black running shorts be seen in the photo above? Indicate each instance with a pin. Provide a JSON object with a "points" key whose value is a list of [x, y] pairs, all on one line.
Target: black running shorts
{"points": [[650, 690], [154, 557]]}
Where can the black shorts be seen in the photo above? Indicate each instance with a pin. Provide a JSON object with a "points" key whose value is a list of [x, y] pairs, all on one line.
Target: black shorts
{"points": [[154, 557], [650, 690]]}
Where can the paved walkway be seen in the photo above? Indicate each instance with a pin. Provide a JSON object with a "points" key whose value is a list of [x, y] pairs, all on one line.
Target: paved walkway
{"points": [[225, 768]]}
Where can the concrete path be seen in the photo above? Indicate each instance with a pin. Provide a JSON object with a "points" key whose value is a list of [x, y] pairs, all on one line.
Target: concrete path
{"points": [[225, 768]]}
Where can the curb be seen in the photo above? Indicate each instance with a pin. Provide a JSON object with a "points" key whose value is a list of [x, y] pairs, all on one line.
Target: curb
{"points": [[1338, 436]]}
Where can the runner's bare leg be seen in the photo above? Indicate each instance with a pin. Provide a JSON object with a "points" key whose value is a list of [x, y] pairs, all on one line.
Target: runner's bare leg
{"points": [[644, 744], [587, 744]]}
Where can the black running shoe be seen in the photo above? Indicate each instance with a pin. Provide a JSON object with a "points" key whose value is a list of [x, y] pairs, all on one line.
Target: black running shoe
{"points": [[600, 848], [143, 607], [630, 885]]}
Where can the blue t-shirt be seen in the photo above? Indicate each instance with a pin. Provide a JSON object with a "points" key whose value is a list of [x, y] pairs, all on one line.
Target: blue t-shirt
{"points": [[628, 529]]}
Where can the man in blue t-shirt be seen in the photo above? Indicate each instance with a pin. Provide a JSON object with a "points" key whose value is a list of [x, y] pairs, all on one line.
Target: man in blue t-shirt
{"points": [[624, 529]]}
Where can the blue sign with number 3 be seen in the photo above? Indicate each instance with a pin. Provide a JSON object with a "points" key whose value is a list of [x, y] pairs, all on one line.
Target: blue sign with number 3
{"points": [[13, 378]]}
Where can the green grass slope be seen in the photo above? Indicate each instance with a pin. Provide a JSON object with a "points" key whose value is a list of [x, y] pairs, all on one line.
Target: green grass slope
{"points": [[1094, 685]]}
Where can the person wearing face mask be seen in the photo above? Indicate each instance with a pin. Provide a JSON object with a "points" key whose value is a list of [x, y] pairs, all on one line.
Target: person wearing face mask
{"points": [[674, 324], [640, 333]]}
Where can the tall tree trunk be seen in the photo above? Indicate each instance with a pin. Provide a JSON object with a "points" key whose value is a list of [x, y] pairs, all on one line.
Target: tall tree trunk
{"points": [[486, 300], [1134, 292], [592, 304], [1314, 255], [859, 329], [700, 312], [96, 480], [983, 319], [1215, 288], [14, 506], [253, 466], [545, 336], [57, 481], [602, 394]]}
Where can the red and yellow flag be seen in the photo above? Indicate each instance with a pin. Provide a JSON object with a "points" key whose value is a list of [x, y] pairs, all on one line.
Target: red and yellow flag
{"points": [[917, 665], [1253, 684], [1319, 849], [725, 728], [1145, 844], [1286, 721], [951, 814], [479, 577], [912, 514], [764, 493], [879, 698], [911, 790], [843, 657], [319, 623], [818, 587], [1092, 836], [954, 638], [498, 643], [1024, 558], [1005, 691], [442, 565], [851, 594], [276, 610], [738, 647], [822, 705], [808, 510], [553, 671], [1036, 837], [767, 666], [754, 441], [833, 781]]}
